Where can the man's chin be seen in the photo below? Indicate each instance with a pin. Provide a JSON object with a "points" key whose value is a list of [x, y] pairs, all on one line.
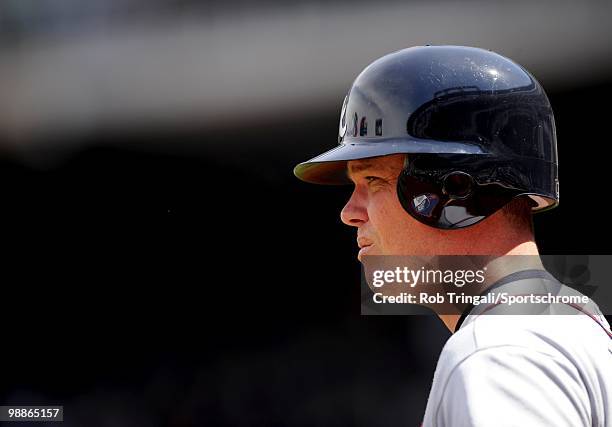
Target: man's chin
{"points": [[366, 250]]}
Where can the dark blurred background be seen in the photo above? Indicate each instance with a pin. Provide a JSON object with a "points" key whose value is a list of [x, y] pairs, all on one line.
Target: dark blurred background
{"points": [[163, 267]]}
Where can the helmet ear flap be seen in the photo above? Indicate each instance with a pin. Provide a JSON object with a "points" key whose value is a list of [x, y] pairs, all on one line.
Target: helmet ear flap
{"points": [[440, 196]]}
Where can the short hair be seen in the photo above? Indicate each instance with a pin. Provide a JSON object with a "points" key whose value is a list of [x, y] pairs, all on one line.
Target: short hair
{"points": [[519, 213]]}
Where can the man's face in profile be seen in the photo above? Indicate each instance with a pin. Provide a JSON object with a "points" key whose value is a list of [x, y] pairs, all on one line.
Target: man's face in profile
{"points": [[383, 227]]}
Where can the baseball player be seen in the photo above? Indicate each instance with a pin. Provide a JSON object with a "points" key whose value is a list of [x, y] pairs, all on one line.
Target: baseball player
{"points": [[450, 150]]}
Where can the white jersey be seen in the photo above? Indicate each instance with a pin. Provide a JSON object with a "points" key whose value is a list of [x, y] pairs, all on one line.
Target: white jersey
{"points": [[525, 370]]}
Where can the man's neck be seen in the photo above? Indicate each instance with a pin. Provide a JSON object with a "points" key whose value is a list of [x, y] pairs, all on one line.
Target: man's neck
{"points": [[525, 248]]}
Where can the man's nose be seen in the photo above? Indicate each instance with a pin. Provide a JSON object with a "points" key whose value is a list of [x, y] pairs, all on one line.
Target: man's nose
{"points": [[354, 212]]}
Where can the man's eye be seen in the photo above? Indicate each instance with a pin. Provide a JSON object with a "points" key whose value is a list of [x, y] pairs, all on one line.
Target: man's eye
{"points": [[372, 179]]}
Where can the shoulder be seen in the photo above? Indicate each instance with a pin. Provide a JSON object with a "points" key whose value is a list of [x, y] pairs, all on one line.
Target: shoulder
{"points": [[577, 338], [557, 335], [511, 360], [493, 383]]}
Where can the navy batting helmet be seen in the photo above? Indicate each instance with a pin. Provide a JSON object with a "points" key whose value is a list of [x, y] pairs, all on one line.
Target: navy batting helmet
{"points": [[477, 127]]}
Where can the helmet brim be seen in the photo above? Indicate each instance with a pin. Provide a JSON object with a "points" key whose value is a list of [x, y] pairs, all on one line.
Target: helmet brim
{"points": [[329, 168]]}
